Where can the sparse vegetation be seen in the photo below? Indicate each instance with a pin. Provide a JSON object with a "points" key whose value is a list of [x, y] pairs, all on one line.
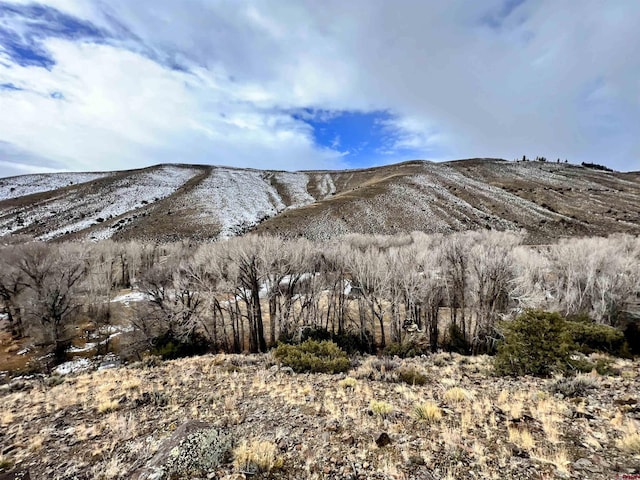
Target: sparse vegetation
{"points": [[256, 456], [411, 376], [380, 408], [428, 412], [312, 356], [500, 427]]}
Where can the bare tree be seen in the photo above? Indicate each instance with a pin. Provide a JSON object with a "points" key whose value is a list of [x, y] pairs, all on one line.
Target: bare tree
{"points": [[431, 289], [371, 276], [456, 250], [52, 276], [12, 284], [491, 274], [243, 255]]}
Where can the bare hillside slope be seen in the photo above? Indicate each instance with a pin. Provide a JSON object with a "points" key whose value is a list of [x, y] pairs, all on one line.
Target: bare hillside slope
{"points": [[171, 202]]}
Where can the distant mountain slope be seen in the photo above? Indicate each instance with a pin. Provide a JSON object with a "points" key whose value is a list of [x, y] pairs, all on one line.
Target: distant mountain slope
{"points": [[14, 187], [170, 202]]}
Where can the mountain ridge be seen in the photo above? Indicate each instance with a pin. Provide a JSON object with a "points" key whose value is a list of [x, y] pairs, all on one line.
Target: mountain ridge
{"points": [[184, 201]]}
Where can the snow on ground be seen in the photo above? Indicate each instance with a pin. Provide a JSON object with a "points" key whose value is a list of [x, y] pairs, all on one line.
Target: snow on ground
{"points": [[85, 348], [115, 330], [83, 209], [133, 296], [487, 194], [296, 186], [77, 365], [326, 185], [236, 199], [14, 187]]}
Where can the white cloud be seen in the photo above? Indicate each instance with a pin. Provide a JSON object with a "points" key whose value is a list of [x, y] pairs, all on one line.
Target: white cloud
{"points": [[464, 79], [122, 110]]}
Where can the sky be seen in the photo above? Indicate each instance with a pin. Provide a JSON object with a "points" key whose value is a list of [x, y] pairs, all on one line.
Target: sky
{"points": [[300, 84]]}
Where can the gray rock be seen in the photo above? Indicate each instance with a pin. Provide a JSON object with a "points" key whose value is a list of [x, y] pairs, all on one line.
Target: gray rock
{"points": [[195, 448], [582, 464]]}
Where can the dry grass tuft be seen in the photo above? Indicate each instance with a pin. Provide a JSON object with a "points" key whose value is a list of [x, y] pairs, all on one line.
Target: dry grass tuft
{"points": [[348, 382], [107, 406], [427, 412], [380, 408], [630, 441], [256, 456], [522, 438], [457, 395]]}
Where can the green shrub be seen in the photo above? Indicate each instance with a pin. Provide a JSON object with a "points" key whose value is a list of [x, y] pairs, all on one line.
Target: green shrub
{"points": [[535, 343], [313, 356], [408, 349], [355, 342], [315, 333], [411, 376], [604, 366], [591, 337], [168, 347], [349, 342]]}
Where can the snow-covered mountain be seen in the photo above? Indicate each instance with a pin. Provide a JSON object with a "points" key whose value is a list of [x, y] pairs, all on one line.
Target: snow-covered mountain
{"points": [[170, 202]]}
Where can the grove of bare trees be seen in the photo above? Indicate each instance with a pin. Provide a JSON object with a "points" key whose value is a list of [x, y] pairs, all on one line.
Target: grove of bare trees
{"points": [[247, 293]]}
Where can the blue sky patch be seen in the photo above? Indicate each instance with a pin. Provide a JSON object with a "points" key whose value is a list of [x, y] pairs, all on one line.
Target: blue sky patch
{"points": [[35, 23], [359, 136], [363, 138]]}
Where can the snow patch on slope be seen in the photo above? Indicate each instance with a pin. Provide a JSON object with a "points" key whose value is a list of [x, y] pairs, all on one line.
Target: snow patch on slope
{"points": [[15, 187], [326, 185], [236, 200], [295, 185], [82, 208]]}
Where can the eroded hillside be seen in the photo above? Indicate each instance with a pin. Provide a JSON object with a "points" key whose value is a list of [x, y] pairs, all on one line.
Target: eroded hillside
{"points": [[171, 202]]}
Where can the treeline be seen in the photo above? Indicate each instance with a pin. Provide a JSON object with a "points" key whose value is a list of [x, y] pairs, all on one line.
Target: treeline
{"points": [[367, 292], [595, 166]]}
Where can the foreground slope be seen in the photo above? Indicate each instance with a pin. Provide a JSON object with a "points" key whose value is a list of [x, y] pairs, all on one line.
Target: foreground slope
{"points": [[459, 422], [171, 202]]}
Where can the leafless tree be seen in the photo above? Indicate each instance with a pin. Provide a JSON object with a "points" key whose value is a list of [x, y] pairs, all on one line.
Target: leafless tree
{"points": [[52, 276], [491, 274], [12, 284]]}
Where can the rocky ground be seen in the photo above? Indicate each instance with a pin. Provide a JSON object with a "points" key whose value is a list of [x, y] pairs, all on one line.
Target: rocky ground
{"points": [[457, 421]]}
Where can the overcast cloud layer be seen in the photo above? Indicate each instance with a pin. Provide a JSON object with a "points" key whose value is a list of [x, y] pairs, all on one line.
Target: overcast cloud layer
{"points": [[96, 85]]}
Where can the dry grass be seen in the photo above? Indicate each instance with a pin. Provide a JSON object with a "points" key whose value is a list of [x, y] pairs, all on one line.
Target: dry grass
{"points": [[256, 456], [522, 438], [348, 382], [317, 418], [630, 441], [558, 458], [107, 406], [427, 412], [457, 395], [380, 408]]}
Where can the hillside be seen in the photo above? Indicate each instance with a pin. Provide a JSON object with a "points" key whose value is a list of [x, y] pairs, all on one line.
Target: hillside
{"points": [[107, 424], [170, 202]]}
